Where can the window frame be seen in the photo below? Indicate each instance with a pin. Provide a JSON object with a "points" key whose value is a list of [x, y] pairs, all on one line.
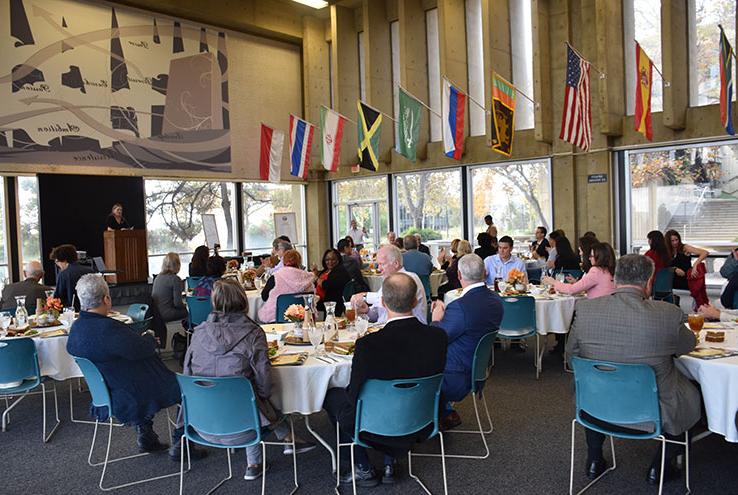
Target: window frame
{"points": [[335, 203]]}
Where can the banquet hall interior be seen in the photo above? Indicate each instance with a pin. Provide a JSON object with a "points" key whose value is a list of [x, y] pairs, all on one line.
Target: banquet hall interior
{"points": [[387, 246]]}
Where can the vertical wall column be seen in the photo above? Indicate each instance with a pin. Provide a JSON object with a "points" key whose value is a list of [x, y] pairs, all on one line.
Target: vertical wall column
{"points": [[674, 50], [452, 45], [345, 56], [611, 88], [545, 129]]}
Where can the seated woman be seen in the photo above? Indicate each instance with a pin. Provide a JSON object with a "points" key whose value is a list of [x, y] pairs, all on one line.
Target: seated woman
{"points": [[216, 267], [65, 259], [687, 275], [166, 296], [331, 281], [291, 279], [199, 263], [566, 259], [598, 280], [444, 258], [452, 271], [230, 343]]}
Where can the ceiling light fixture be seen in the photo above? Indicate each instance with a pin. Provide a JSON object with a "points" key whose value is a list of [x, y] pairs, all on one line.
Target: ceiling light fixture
{"points": [[316, 4]]}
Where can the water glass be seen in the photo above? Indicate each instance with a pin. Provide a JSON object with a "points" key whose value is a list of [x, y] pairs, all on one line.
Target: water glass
{"points": [[362, 325], [5, 319], [315, 334], [560, 277]]}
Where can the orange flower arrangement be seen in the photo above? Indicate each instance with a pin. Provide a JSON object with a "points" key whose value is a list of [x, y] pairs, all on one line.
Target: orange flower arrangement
{"points": [[53, 304], [515, 276], [295, 313]]}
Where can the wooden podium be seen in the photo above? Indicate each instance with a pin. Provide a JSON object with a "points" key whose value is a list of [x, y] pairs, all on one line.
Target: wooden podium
{"points": [[126, 253]]}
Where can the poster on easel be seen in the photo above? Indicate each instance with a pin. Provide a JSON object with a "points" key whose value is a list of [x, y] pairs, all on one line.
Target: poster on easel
{"points": [[286, 224], [210, 228]]}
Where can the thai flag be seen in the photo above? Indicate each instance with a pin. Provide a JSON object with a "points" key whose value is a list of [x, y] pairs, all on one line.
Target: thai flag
{"points": [[270, 157], [454, 105], [301, 137]]}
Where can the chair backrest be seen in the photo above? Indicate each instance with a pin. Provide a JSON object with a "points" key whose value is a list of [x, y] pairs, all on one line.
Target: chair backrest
{"points": [[96, 383], [623, 394], [349, 290], [577, 274], [534, 275], [141, 326], [398, 407], [18, 360], [426, 285], [198, 309], [735, 301], [663, 283], [519, 313], [284, 301], [137, 311], [480, 363], [192, 282], [219, 406]]}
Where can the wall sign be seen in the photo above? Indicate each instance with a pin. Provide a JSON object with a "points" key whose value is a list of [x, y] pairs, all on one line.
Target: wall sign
{"points": [[286, 224], [596, 178]]}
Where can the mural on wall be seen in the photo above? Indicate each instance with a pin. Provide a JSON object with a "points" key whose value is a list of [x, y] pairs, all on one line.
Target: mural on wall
{"points": [[84, 84]]}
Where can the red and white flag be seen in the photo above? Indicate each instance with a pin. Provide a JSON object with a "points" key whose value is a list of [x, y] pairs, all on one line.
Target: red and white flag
{"points": [[576, 121], [270, 160], [331, 133]]}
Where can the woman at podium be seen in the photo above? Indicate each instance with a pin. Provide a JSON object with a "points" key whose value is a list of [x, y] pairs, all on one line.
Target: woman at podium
{"points": [[116, 220]]}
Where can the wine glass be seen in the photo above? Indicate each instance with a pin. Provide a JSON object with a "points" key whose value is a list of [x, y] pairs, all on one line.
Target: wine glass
{"points": [[315, 334]]}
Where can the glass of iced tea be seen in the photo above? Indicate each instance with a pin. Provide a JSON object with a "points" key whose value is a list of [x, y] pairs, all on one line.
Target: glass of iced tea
{"points": [[696, 321], [350, 313]]}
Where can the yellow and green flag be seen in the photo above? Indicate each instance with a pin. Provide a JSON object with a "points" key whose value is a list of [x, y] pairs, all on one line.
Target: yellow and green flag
{"points": [[369, 123], [503, 115]]}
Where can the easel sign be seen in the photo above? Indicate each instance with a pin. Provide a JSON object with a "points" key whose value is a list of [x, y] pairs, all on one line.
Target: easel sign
{"points": [[286, 224], [210, 228]]}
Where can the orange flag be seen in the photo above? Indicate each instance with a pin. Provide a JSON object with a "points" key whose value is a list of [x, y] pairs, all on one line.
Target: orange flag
{"points": [[644, 80]]}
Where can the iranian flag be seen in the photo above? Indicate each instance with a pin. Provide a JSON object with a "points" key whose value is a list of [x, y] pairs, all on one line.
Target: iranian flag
{"points": [[331, 133]]}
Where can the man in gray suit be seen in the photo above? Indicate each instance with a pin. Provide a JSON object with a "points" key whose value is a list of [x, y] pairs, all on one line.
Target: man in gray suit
{"points": [[626, 327], [30, 288]]}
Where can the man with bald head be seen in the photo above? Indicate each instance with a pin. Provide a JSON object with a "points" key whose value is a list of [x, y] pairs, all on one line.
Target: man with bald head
{"points": [[30, 288]]}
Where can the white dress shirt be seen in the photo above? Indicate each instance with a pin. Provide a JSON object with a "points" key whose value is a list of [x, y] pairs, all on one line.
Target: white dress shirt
{"points": [[378, 313]]}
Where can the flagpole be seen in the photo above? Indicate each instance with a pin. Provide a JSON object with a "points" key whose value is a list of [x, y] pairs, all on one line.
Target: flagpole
{"points": [[340, 115], [667, 84], [420, 101], [378, 111], [534, 102], [602, 74], [468, 96], [732, 52]]}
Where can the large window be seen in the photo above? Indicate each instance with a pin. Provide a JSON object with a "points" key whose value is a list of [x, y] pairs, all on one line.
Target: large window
{"points": [[704, 47], [362, 66], [30, 232], [693, 190], [521, 29], [261, 201], [429, 203], [434, 73], [517, 195], [363, 200], [642, 22], [174, 212], [475, 63]]}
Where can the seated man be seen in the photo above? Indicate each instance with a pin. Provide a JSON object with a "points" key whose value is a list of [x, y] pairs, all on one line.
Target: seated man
{"points": [[139, 382], [404, 348], [422, 247], [413, 260], [30, 288], [466, 320], [500, 264], [352, 265], [389, 259], [627, 327]]}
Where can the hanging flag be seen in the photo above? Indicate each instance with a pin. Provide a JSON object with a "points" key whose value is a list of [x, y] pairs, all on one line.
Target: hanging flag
{"points": [[272, 142], [504, 97], [409, 125], [331, 133], [726, 83], [576, 121], [644, 81], [454, 105], [369, 124], [301, 139]]}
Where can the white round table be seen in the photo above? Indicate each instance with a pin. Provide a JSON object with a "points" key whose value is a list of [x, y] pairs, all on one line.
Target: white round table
{"points": [[436, 279], [718, 379], [255, 303]]}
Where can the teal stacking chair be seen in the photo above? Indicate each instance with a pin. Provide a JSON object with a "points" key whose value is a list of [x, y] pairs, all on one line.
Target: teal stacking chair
{"points": [[192, 282], [198, 309], [101, 398], [577, 274], [663, 285], [137, 312], [19, 363], [519, 323], [223, 406], [396, 408], [284, 301], [619, 394], [141, 326]]}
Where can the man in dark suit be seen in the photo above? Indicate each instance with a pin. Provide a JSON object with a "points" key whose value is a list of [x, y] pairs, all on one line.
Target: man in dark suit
{"points": [[404, 348], [466, 320], [30, 288], [352, 264], [627, 327], [422, 247]]}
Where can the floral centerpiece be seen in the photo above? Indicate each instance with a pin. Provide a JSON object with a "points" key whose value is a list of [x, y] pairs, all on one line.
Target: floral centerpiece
{"points": [[49, 311], [516, 278], [247, 277], [296, 314]]}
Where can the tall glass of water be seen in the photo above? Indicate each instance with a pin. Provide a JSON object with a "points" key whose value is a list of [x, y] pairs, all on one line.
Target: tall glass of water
{"points": [[315, 334]]}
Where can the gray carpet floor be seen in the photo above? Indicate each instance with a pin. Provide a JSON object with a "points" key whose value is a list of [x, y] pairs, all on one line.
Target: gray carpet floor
{"points": [[529, 451]]}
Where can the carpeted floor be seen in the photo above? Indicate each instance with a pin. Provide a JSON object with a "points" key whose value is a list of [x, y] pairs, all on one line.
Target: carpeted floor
{"points": [[529, 451]]}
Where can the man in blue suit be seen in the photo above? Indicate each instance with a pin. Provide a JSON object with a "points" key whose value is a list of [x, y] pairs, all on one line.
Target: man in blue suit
{"points": [[466, 320]]}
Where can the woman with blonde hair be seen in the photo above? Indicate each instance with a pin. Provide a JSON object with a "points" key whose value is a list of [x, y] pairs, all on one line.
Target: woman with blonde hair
{"points": [[463, 247], [166, 295]]}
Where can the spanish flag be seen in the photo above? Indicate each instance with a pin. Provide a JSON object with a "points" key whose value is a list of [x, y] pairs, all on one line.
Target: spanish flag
{"points": [[644, 81]]}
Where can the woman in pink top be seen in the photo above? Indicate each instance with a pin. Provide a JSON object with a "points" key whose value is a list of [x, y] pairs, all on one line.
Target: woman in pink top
{"points": [[598, 281], [290, 279]]}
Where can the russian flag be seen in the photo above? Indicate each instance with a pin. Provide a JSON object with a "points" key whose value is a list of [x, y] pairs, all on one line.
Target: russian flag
{"points": [[270, 157], [301, 138], [454, 105]]}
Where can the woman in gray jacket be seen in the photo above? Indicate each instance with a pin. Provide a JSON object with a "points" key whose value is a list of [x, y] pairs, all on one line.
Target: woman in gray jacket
{"points": [[167, 291], [230, 343]]}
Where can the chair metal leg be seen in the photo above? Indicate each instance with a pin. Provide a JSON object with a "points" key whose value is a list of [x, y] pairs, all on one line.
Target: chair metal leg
{"points": [[538, 358], [443, 465], [483, 399], [353, 468], [44, 436], [71, 409], [322, 442], [230, 471], [8, 408], [571, 466]]}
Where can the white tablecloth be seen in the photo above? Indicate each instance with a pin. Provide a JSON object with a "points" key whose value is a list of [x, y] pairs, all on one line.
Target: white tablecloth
{"points": [[553, 315], [718, 379], [255, 302], [436, 279]]}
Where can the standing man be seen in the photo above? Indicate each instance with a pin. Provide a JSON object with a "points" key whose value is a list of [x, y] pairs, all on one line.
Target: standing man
{"points": [[356, 234], [30, 288], [500, 264], [491, 228]]}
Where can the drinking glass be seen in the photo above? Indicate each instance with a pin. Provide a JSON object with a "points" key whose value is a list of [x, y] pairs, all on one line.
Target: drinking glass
{"points": [[560, 277], [258, 283], [4, 324], [315, 334], [362, 325], [350, 313], [502, 286], [696, 321]]}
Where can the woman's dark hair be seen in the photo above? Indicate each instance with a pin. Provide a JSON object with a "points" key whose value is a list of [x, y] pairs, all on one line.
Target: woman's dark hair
{"points": [[400, 243], [585, 244], [672, 252], [336, 253], [604, 256], [591, 234], [658, 245], [555, 235], [65, 252], [563, 248], [350, 241], [199, 262], [216, 266], [484, 240]]}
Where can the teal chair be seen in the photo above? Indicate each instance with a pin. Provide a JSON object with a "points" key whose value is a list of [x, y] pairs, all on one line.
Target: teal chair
{"points": [[663, 285], [101, 399], [223, 406], [394, 408], [140, 327], [426, 286], [519, 323], [619, 394], [19, 364], [137, 312], [286, 300], [198, 309], [577, 274], [192, 282]]}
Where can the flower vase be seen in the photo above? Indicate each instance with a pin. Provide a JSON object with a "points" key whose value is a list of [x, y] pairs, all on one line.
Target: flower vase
{"points": [[297, 329], [520, 287]]}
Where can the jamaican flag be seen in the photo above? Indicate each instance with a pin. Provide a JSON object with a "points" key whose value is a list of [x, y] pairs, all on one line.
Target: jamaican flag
{"points": [[503, 115], [369, 123]]}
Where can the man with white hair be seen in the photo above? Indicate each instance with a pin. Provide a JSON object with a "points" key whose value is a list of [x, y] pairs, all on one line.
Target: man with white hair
{"points": [[139, 382], [466, 320], [30, 288], [422, 247], [389, 259]]}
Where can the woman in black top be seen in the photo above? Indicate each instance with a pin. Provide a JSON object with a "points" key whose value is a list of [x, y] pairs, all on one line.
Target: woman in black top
{"points": [[680, 255], [565, 257], [332, 279], [199, 262], [115, 220]]}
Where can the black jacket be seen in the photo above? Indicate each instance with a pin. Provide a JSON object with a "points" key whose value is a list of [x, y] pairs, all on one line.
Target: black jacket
{"points": [[424, 249], [66, 282], [333, 287]]}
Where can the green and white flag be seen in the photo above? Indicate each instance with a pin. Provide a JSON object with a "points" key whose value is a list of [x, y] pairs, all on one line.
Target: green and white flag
{"points": [[409, 124]]}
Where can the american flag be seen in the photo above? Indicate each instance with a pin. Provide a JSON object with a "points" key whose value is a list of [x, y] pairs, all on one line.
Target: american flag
{"points": [[576, 122]]}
